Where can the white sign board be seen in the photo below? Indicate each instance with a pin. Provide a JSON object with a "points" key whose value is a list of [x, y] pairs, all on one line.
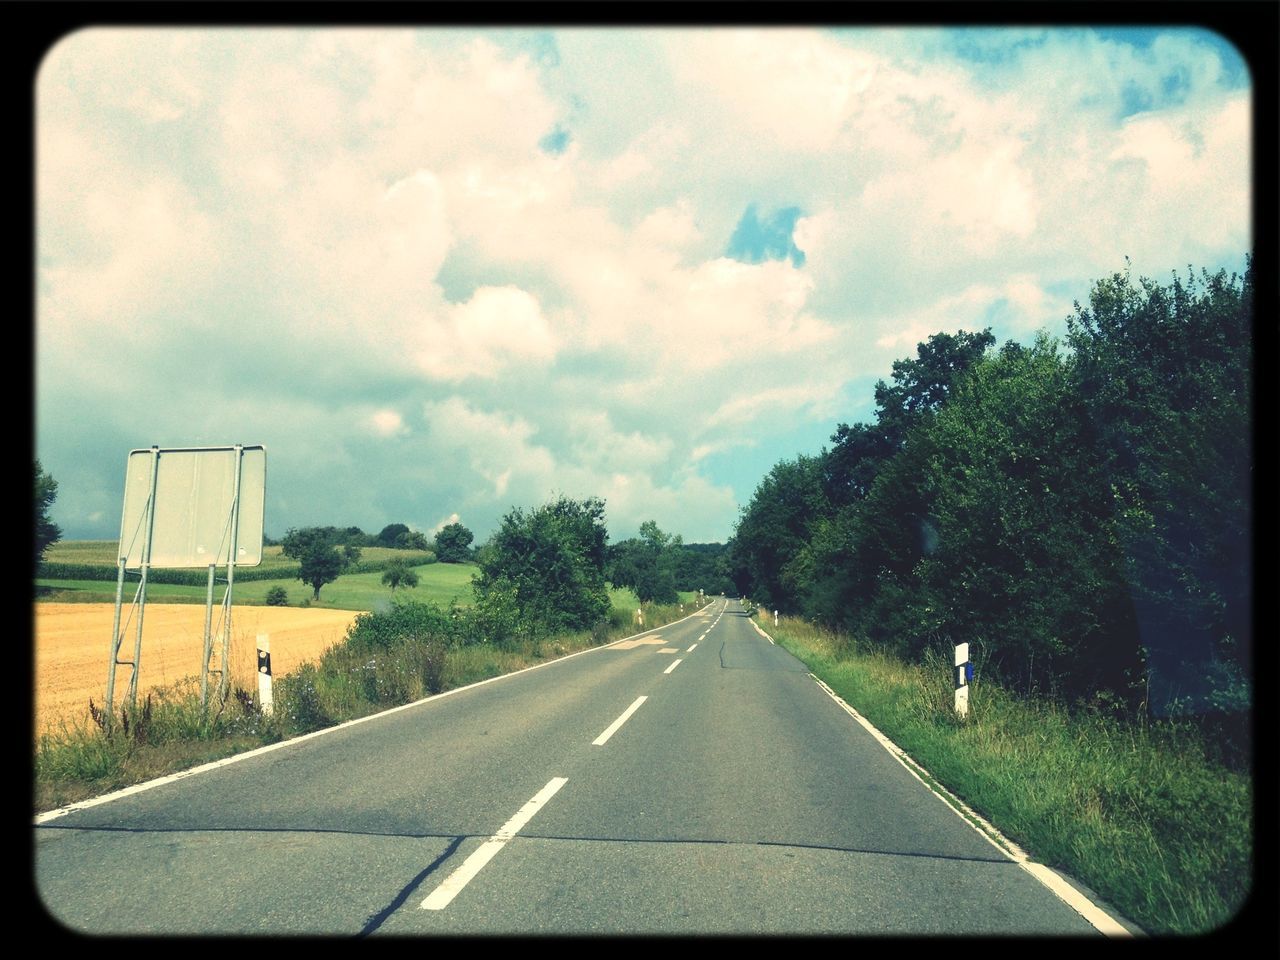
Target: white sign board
{"points": [[195, 491]]}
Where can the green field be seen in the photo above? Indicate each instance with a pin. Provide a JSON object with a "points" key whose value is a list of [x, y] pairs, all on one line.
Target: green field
{"points": [[440, 583], [103, 552]]}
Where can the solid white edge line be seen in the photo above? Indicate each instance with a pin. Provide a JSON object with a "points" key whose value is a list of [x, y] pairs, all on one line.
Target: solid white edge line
{"points": [[601, 740], [1101, 921], [673, 665], [268, 748], [442, 896]]}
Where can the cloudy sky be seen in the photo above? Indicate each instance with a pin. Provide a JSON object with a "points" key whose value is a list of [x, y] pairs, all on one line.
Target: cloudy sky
{"points": [[440, 273]]}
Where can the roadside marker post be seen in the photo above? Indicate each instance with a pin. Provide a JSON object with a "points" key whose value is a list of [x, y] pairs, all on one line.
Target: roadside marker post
{"points": [[775, 618], [963, 676], [264, 674]]}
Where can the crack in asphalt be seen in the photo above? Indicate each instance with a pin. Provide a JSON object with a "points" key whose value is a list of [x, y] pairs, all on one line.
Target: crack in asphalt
{"points": [[103, 828], [676, 841], [375, 921], [459, 838]]}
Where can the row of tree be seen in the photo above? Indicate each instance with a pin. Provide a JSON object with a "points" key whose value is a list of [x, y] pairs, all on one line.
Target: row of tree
{"points": [[1079, 512], [324, 553], [452, 544]]}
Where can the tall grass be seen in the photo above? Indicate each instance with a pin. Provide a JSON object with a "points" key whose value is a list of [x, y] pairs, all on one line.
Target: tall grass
{"points": [[1147, 814]]}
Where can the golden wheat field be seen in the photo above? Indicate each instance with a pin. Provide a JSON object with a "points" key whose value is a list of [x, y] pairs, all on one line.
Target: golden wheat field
{"points": [[72, 643]]}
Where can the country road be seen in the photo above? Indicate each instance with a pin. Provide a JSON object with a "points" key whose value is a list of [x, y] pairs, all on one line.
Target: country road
{"points": [[694, 780]]}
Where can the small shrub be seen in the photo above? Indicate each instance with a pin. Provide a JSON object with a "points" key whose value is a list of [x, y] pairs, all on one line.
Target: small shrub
{"points": [[298, 700], [277, 597]]}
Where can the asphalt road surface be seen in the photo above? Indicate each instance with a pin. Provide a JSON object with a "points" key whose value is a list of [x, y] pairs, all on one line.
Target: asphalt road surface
{"points": [[693, 780]]}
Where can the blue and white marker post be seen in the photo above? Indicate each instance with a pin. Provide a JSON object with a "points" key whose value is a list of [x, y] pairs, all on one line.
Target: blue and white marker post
{"points": [[963, 674], [264, 674]]}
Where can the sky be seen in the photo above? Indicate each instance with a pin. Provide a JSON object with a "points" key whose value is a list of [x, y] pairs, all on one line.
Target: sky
{"points": [[442, 273]]}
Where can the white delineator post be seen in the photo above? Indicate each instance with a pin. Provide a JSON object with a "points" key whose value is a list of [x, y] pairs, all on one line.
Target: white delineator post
{"points": [[775, 618], [963, 673], [264, 674]]}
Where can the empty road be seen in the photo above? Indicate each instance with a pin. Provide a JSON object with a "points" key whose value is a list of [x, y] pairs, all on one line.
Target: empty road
{"points": [[693, 780]]}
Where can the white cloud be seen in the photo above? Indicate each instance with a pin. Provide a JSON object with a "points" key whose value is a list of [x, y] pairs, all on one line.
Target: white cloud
{"points": [[497, 328], [748, 407], [388, 423], [302, 234], [441, 524]]}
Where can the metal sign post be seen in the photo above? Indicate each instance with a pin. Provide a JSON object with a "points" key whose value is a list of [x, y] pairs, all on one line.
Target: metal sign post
{"points": [[187, 507]]}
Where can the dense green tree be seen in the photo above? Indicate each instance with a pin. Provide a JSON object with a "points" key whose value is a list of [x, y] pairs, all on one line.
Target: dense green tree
{"points": [[1024, 562], [453, 543], [703, 566], [399, 574], [391, 534], [647, 564], [548, 564], [317, 551], [413, 540], [919, 388], [773, 529], [1165, 376], [46, 531]]}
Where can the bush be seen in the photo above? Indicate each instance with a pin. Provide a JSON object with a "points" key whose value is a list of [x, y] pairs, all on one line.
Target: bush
{"points": [[277, 597]]}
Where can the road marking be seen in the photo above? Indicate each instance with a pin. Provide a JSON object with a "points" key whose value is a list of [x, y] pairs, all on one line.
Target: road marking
{"points": [[601, 740], [674, 665], [1075, 899], [1091, 912], [442, 895], [284, 744], [690, 650]]}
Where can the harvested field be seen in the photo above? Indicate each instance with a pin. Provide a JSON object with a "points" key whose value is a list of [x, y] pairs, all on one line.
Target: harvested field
{"points": [[73, 642]]}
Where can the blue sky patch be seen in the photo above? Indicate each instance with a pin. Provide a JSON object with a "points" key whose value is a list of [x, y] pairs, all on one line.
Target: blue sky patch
{"points": [[557, 141], [755, 240]]}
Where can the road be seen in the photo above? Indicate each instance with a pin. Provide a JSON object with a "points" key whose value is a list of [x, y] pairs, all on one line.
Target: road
{"points": [[694, 780]]}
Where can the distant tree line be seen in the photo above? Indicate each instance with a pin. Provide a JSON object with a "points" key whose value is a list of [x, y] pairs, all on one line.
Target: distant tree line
{"points": [[1078, 511]]}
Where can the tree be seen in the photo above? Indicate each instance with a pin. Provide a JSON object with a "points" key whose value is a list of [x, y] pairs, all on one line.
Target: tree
{"points": [[47, 532], [548, 565], [389, 537], [1025, 557], [774, 528], [398, 574], [647, 564], [316, 550], [453, 544], [920, 388], [413, 540], [1164, 372]]}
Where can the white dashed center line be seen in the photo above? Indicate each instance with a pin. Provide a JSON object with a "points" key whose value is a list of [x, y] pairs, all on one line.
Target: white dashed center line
{"points": [[442, 895], [601, 740]]}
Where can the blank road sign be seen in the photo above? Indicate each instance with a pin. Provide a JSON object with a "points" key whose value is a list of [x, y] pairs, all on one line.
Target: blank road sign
{"points": [[195, 491]]}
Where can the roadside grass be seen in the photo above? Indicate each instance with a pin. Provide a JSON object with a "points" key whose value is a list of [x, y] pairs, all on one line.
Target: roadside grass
{"points": [[1144, 813], [170, 731]]}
